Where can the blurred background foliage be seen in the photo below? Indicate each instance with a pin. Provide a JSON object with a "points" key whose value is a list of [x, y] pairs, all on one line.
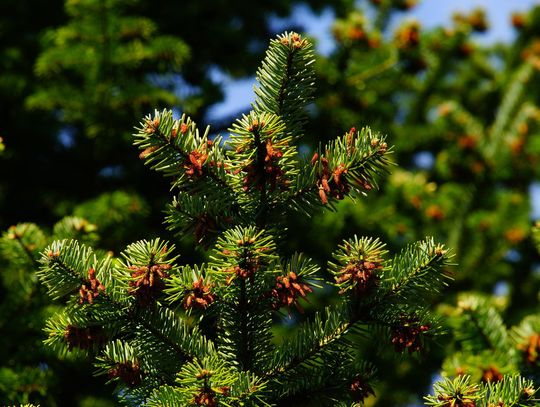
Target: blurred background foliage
{"points": [[463, 115]]}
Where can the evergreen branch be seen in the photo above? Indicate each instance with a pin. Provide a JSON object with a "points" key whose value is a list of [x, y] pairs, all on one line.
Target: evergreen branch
{"points": [[244, 353], [72, 227], [310, 340], [202, 215], [481, 326], [510, 391], [28, 238], [64, 271], [348, 165], [417, 271], [516, 89], [458, 392], [244, 270], [286, 81], [65, 265], [26, 250], [176, 148], [175, 333]]}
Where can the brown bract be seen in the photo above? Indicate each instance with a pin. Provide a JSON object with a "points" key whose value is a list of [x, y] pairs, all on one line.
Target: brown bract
{"points": [[518, 20], [128, 372], [359, 389], [199, 296], [531, 349], [408, 37], [206, 397], [84, 338], [90, 289], [268, 172], [147, 282], [491, 374], [408, 336], [288, 290], [331, 182], [194, 163], [151, 126], [147, 151], [246, 269], [361, 274]]}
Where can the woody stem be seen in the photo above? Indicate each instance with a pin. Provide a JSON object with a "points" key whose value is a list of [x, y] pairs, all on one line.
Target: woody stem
{"points": [[263, 204], [244, 354]]}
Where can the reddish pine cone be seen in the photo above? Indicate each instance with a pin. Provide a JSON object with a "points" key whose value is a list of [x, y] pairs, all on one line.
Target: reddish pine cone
{"points": [[199, 296], [128, 372], [147, 282], [518, 20], [266, 170], [246, 269], [359, 389], [206, 397], [407, 37], [151, 126], [491, 374], [91, 289], [361, 274], [194, 163], [288, 290], [84, 338], [331, 182], [408, 336], [531, 349]]}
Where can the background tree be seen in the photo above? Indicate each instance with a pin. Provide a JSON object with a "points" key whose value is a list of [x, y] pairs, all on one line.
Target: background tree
{"points": [[28, 371], [485, 352], [58, 140], [464, 120]]}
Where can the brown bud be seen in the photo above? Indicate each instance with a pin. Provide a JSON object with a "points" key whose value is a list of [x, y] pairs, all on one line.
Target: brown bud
{"points": [[147, 151], [518, 20]]}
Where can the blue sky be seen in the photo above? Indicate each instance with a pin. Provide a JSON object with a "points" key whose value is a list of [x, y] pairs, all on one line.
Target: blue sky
{"points": [[431, 13]]}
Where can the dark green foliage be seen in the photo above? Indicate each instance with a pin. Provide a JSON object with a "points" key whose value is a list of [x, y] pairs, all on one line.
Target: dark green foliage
{"points": [[99, 62]]}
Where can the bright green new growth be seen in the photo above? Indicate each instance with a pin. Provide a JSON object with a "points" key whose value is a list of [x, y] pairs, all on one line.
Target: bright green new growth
{"points": [[204, 334], [511, 391]]}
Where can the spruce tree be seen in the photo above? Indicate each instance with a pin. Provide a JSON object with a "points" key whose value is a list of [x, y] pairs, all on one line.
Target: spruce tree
{"points": [[171, 334]]}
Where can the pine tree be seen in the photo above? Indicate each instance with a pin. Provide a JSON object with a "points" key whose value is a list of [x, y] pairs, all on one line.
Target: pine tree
{"points": [[171, 335]]}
